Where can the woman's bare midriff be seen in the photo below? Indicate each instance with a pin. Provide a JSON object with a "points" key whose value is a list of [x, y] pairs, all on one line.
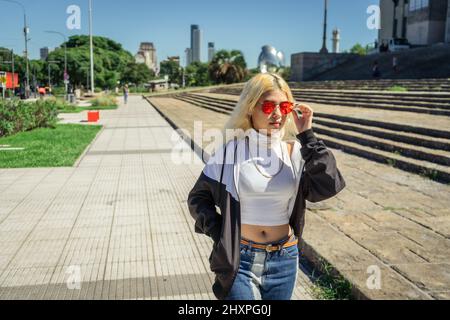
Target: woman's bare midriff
{"points": [[265, 234]]}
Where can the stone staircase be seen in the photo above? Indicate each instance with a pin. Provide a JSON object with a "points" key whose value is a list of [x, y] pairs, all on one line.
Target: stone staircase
{"points": [[420, 150], [418, 63]]}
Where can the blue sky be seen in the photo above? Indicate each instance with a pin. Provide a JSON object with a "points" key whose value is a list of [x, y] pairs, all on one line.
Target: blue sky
{"points": [[289, 25]]}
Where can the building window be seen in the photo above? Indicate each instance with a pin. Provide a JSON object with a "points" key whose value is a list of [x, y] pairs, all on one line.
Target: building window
{"points": [[418, 4]]}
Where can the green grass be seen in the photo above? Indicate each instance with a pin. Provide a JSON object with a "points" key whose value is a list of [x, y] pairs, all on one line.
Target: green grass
{"points": [[328, 286], [46, 147], [397, 89]]}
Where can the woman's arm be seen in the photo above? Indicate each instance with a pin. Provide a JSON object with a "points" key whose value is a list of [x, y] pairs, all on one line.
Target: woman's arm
{"points": [[202, 207], [205, 195], [321, 178]]}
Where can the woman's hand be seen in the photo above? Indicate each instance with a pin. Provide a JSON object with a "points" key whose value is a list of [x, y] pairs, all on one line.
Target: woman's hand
{"points": [[303, 123]]}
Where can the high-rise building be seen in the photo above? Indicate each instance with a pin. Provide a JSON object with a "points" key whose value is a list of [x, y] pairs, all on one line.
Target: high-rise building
{"points": [[421, 22], [196, 39], [45, 52], [211, 51], [147, 55]]}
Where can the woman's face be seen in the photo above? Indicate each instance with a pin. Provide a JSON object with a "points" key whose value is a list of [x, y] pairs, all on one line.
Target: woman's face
{"points": [[274, 121]]}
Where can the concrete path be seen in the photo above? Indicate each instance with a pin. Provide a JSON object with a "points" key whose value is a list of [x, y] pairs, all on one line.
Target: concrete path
{"points": [[388, 232], [118, 221]]}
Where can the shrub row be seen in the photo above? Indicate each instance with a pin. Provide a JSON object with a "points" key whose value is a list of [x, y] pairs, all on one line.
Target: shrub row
{"points": [[18, 116]]}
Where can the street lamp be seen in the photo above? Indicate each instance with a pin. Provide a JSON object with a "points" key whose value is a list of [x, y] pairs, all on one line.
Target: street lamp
{"points": [[324, 44], [25, 32], [66, 75], [91, 47]]}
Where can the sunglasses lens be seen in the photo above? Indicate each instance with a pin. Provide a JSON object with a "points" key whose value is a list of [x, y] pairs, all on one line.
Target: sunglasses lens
{"points": [[268, 107], [286, 107]]}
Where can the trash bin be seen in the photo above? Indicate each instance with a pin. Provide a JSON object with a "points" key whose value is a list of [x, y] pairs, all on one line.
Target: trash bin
{"points": [[93, 116]]}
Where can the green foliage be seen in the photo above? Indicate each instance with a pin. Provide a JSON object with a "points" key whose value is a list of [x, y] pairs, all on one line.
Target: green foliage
{"points": [[359, 49], [173, 70], [110, 61], [196, 75], [228, 67], [329, 286], [137, 74], [104, 101], [18, 116]]}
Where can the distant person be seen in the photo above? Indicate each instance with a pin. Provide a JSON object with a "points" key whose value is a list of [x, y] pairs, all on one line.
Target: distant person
{"points": [[376, 74], [395, 64], [126, 92]]}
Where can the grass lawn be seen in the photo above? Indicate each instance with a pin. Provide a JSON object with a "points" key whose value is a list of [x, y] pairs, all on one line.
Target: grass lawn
{"points": [[81, 109], [44, 147]]}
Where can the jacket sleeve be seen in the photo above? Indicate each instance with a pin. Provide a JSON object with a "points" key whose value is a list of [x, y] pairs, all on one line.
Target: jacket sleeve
{"points": [[321, 179], [203, 198]]}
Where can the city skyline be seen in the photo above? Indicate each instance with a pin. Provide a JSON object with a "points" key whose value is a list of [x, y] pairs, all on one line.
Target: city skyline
{"points": [[297, 29]]}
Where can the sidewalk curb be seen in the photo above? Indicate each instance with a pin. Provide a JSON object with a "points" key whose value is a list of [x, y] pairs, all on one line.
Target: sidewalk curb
{"points": [[88, 148]]}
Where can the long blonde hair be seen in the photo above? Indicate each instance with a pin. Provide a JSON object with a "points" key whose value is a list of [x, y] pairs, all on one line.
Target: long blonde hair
{"points": [[254, 89]]}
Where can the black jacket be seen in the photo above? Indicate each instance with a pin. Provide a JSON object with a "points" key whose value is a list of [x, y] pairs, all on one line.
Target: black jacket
{"points": [[319, 180]]}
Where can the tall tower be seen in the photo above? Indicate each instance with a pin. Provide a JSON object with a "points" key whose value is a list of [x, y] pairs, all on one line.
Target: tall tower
{"points": [[336, 40], [195, 43], [211, 51], [324, 43]]}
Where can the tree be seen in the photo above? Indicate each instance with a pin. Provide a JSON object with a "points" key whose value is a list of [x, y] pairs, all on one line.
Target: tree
{"points": [[137, 73], [109, 57], [359, 49], [228, 67], [172, 70], [197, 75]]}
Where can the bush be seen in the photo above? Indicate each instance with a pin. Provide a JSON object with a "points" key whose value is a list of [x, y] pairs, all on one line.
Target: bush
{"points": [[104, 101], [18, 116]]}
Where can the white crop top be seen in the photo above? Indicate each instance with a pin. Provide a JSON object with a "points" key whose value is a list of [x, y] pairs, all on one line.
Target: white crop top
{"points": [[265, 190]]}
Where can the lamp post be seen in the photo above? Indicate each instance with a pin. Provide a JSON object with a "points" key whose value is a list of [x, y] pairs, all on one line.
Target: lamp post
{"points": [[324, 44], [66, 75], [25, 32], [91, 47]]}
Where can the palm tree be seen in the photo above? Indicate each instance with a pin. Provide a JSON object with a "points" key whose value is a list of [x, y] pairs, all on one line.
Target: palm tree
{"points": [[228, 67]]}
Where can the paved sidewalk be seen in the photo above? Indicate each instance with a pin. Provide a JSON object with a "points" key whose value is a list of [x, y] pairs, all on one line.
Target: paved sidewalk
{"points": [[119, 220]]}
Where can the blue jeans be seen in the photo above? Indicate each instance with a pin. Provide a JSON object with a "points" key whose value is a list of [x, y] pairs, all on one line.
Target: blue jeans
{"points": [[266, 275]]}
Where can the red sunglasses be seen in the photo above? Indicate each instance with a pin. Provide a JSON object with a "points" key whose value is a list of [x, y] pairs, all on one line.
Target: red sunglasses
{"points": [[286, 107]]}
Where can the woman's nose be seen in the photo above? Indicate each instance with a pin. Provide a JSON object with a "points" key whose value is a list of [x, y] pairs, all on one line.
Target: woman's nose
{"points": [[277, 113]]}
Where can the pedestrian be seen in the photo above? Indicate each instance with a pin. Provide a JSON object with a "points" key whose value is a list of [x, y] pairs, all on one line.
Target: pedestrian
{"points": [[376, 74], [395, 64], [260, 178], [126, 92]]}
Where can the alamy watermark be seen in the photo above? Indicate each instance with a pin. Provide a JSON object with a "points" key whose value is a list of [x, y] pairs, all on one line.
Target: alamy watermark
{"points": [[73, 281], [374, 280], [374, 20], [73, 21]]}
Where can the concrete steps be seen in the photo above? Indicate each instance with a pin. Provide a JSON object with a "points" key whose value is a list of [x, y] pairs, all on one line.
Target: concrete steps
{"points": [[419, 150], [424, 85]]}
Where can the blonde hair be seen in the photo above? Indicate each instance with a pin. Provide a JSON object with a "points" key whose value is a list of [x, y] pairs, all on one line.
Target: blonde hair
{"points": [[254, 89]]}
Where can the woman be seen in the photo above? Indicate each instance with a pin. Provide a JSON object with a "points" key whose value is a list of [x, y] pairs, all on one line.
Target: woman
{"points": [[260, 179]]}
